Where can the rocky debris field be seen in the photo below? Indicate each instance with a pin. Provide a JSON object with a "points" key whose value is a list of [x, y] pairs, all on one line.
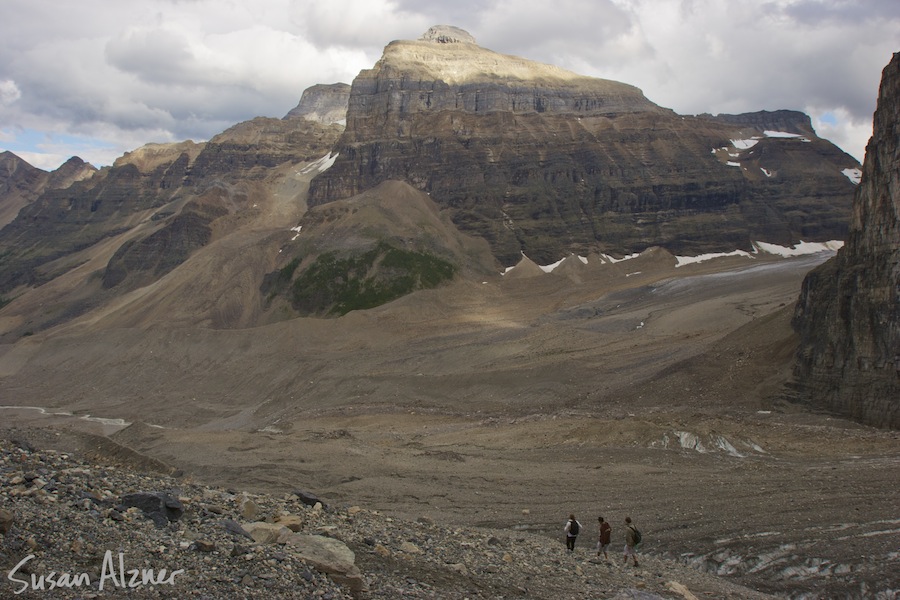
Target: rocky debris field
{"points": [[74, 528]]}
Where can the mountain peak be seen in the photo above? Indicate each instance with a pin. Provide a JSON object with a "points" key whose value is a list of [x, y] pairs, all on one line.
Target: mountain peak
{"points": [[447, 34], [323, 103], [451, 55]]}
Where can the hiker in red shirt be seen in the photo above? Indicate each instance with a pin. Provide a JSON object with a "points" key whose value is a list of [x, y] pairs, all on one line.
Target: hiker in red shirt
{"points": [[605, 537]]}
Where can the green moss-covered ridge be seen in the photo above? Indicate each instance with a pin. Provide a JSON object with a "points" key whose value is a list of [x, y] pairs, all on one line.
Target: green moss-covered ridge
{"points": [[334, 284]]}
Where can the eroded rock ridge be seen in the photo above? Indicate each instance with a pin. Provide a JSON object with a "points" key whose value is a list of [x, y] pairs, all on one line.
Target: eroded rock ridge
{"points": [[848, 314]]}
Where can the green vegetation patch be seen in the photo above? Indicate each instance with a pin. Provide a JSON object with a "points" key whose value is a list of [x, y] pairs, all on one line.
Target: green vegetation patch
{"points": [[334, 285]]}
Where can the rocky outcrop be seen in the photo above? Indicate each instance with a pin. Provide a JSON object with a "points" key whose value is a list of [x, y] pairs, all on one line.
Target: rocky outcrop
{"points": [[371, 249], [248, 150], [150, 157], [447, 34], [325, 104], [165, 200], [20, 183], [785, 121], [144, 260], [848, 314], [64, 221], [537, 159]]}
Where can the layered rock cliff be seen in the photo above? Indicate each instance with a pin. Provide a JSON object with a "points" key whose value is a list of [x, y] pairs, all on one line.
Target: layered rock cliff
{"points": [[249, 149], [151, 211], [65, 220], [525, 156], [848, 314], [538, 159], [325, 104], [21, 183]]}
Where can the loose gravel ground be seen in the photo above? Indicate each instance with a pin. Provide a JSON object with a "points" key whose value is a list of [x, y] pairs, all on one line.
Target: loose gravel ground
{"points": [[68, 531]]}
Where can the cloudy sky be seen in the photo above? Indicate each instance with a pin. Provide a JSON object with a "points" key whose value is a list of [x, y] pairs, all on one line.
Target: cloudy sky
{"points": [[97, 78]]}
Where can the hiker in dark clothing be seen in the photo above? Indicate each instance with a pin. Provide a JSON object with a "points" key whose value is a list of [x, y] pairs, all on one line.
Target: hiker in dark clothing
{"points": [[605, 537], [572, 528]]}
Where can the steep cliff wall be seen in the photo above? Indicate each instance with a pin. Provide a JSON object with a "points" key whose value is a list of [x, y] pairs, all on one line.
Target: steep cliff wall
{"points": [[325, 104], [848, 315], [248, 150], [535, 158]]}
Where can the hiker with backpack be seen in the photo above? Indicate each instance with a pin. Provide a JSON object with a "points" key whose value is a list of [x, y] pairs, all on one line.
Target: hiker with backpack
{"points": [[632, 539], [605, 537], [572, 529]]}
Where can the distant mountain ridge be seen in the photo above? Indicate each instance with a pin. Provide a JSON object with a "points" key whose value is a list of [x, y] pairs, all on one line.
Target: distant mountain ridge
{"points": [[537, 159], [529, 157], [21, 183]]}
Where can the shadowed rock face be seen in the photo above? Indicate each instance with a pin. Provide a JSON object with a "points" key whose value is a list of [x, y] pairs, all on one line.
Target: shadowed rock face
{"points": [[848, 314], [16, 174], [66, 220], [537, 159], [21, 183], [80, 207], [146, 259], [250, 149]]}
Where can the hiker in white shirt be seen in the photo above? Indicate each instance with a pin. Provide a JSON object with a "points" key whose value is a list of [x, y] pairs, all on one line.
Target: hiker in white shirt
{"points": [[572, 529]]}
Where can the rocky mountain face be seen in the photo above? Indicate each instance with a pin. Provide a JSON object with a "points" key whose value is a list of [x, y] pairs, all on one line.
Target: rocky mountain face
{"points": [[326, 104], [525, 156], [373, 248], [146, 214], [69, 172], [848, 315], [63, 221], [250, 149], [21, 183], [537, 159]]}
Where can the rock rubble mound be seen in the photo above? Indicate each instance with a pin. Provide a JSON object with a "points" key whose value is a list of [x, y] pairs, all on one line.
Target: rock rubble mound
{"points": [[69, 524]]}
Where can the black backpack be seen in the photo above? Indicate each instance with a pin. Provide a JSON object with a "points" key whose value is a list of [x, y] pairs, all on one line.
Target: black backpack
{"points": [[574, 528], [637, 536]]}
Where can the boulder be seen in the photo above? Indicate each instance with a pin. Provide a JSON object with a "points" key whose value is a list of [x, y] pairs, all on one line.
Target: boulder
{"points": [[267, 533], [331, 557], [308, 498], [204, 545], [249, 509], [410, 548], [235, 528], [161, 507], [292, 522]]}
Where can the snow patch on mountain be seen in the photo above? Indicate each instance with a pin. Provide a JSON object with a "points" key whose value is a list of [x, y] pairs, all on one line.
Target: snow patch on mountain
{"points": [[854, 175], [759, 248]]}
